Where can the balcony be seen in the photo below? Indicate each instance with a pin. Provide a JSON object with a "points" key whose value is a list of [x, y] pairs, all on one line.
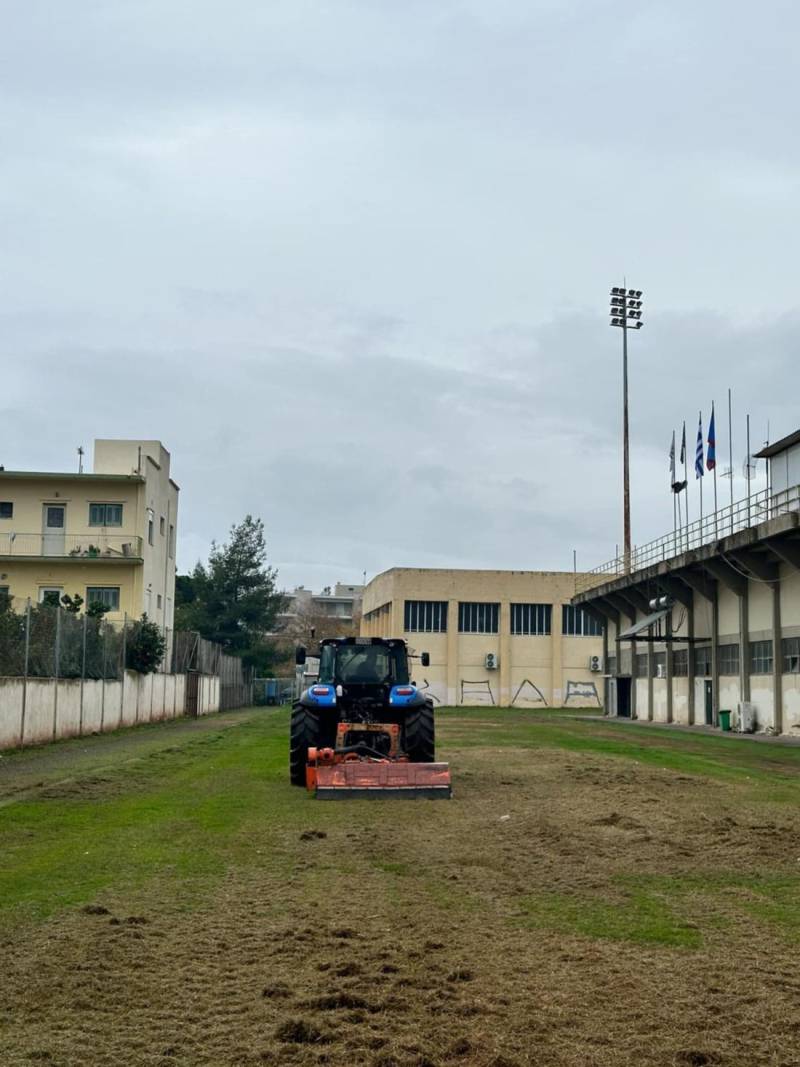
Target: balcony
{"points": [[744, 514], [108, 548]]}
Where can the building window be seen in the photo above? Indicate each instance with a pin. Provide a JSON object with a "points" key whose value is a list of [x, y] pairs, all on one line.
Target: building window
{"points": [[162, 526], [660, 665], [425, 616], [50, 594], [761, 657], [150, 527], [105, 514], [531, 619], [158, 601], [680, 663], [107, 595], [171, 541], [790, 647], [702, 661], [577, 623], [6, 509], [612, 664], [728, 657], [641, 665], [477, 618]]}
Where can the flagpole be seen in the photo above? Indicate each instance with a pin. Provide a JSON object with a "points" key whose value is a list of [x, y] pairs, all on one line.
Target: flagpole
{"points": [[716, 520], [730, 451], [686, 482]]}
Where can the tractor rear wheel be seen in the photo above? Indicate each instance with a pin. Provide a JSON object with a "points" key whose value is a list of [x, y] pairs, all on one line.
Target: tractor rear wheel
{"points": [[419, 737], [304, 734]]}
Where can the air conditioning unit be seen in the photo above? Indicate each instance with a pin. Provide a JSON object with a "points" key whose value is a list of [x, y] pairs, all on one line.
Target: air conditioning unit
{"points": [[492, 661], [595, 663], [661, 670]]}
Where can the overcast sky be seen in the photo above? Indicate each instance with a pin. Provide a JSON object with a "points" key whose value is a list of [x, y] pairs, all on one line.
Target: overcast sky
{"points": [[350, 261]]}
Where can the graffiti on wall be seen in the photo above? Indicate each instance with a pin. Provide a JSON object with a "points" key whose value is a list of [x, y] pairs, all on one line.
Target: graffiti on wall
{"points": [[583, 691], [476, 689], [536, 697], [426, 689]]}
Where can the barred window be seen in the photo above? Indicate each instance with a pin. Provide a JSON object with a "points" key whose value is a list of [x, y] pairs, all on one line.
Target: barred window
{"points": [[612, 664], [577, 623], [105, 514], [790, 646], [6, 509], [680, 663], [425, 616], [659, 660], [107, 595], [477, 618], [641, 665], [728, 656], [761, 657], [531, 619], [702, 661]]}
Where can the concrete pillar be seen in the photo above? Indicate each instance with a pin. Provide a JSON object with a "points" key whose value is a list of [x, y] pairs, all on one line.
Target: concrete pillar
{"points": [[714, 655], [453, 687], [605, 666], [651, 661], [668, 629], [744, 645], [556, 661], [505, 695], [777, 658], [690, 658]]}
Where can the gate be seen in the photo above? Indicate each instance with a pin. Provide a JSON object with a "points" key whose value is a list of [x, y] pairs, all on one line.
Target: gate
{"points": [[192, 680]]}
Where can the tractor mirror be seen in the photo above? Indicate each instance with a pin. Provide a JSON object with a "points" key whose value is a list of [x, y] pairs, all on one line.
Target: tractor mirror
{"points": [[425, 659], [300, 655]]}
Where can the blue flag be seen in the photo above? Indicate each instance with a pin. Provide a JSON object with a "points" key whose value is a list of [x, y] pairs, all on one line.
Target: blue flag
{"points": [[698, 456], [711, 455]]}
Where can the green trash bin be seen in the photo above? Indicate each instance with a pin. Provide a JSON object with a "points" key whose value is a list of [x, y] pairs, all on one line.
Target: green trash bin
{"points": [[725, 721]]}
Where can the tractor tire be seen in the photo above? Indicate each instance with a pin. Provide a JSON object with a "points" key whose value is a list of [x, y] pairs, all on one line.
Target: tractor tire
{"points": [[419, 736], [304, 734]]}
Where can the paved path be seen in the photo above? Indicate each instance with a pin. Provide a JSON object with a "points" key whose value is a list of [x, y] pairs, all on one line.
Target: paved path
{"points": [[711, 731]]}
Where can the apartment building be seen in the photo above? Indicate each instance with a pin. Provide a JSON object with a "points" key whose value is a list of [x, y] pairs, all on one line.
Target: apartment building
{"points": [[109, 536], [508, 638]]}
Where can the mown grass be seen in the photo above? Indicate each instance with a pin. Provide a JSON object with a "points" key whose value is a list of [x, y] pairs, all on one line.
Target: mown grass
{"points": [[192, 806]]}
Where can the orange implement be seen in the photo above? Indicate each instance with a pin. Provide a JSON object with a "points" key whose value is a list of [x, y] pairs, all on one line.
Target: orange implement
{"points": [[378, 778]]}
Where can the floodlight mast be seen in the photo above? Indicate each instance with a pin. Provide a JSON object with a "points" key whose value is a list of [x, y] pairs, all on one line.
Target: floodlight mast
{"points": [[625, 310]]}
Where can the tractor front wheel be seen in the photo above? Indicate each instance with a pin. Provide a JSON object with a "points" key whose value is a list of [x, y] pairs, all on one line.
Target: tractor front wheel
{"points": [[419, 738], [304, 734]]}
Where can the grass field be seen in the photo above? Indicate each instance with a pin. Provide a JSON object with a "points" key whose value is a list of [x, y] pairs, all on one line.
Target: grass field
{"points": [[595, 895]]}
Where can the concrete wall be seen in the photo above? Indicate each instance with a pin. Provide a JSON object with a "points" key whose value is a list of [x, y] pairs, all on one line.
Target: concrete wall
{"points": [[65, 709], [534, 671]]}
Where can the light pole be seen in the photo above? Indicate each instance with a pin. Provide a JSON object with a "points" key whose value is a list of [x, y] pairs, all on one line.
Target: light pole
{"points": [[626, 313]]}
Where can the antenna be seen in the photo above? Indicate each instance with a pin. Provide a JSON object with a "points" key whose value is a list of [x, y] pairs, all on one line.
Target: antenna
{"points": [[80, 459], [749, 467]]}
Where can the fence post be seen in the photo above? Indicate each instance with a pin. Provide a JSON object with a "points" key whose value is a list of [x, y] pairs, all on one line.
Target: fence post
{"points": [[56, 669], [25, 672], [124, 661], [83, 674], [103, 680], [164, 672]]}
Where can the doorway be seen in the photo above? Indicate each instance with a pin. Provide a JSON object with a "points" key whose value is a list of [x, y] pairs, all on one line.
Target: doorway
{"points": [[624, 697], [53, 523], [709, 702]]}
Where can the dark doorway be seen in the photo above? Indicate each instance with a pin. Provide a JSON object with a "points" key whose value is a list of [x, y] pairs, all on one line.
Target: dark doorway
{"points": [[624, 697], [709, 695], [192, 679]]}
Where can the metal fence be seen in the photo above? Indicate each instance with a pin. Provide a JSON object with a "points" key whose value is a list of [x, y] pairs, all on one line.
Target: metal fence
{"points": [[742, 515], [193, 654]]}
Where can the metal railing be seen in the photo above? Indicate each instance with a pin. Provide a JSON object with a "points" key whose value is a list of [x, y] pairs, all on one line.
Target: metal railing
{"points": [[742, 515], [72, 546]]}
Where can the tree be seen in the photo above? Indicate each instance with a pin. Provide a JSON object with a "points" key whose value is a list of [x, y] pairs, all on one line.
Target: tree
{"points": [[145, 647], [233, 599]]}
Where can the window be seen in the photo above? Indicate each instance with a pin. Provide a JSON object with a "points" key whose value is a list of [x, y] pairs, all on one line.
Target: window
{"points": [[612, 664], [150, 527], [107, 595], [702, 661], [576, 623], [533, 619], [728, 656], [659, 660], [105, 514], [641, 665], [5, 596], [761, 657], [50, 594], [158, 601], [680, 663], [476, 618], [6, 509], [162, 525], [171, 541], [425, 616], [790, 646]]}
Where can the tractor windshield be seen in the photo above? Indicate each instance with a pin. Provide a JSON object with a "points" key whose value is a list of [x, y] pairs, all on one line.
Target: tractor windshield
{"points": [[362, 665]]}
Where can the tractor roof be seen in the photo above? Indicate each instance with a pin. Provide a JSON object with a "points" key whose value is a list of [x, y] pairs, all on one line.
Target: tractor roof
{"points": [[389, 642]]}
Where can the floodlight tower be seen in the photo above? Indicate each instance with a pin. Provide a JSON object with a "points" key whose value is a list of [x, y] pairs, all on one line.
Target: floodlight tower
{"points": [[626, 313]]}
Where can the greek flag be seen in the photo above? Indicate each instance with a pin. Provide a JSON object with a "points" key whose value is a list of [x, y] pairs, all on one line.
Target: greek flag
{"points": [[699, 470]]}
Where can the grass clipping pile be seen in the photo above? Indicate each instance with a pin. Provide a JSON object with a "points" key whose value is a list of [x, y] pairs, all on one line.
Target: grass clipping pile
{"points": [[562, 911]]}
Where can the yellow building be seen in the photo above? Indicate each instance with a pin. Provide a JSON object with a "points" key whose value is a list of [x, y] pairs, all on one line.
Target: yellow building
{"points": [[109, 536], [509, 638]]}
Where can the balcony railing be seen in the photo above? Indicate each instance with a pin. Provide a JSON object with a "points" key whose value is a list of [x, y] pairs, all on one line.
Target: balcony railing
{"points": [[71, 546], [742, 515]]}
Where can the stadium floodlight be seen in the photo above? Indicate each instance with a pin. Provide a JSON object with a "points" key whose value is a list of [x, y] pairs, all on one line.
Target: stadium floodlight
{"points": [[625, 310]]}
